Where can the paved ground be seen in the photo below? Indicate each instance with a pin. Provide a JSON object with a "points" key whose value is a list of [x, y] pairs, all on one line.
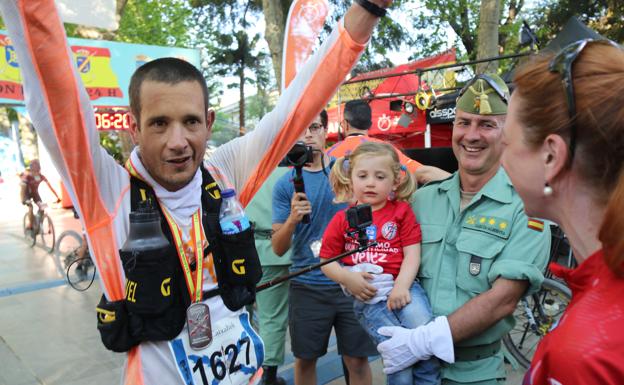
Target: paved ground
{"points": [[48, 330]]}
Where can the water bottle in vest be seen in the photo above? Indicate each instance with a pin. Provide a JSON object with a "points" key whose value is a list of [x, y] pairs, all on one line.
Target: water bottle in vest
{"points": [[145, 232], [232, 216]]}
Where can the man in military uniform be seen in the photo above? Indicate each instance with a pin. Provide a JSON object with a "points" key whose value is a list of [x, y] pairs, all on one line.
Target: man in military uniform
{"points": [[480, 253]]}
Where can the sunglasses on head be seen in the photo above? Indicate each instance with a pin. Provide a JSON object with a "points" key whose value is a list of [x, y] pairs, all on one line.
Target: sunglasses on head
{"points": [[562, 64], [491, 82]]}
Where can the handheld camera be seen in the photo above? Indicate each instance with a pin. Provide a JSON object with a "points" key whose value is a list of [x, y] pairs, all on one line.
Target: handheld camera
{"points": [[359, 218], [298, 157]]}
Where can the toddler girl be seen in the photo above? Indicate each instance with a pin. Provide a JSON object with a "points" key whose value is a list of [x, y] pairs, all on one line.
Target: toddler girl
{"points": [[372, 174]]}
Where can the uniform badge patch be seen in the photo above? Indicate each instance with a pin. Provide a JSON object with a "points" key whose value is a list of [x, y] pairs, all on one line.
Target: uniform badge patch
{"points": [[536, 224], [389, 230], [475, 265]]}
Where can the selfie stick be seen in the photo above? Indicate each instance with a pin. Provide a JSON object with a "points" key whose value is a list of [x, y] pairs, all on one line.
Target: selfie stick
{"points": [[281, 279]]}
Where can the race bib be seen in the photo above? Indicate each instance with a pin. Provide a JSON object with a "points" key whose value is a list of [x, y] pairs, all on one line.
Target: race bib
{"points": [[233, 357]]}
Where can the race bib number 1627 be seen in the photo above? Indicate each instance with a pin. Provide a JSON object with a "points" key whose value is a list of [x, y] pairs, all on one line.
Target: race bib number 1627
{"points": [[232, 358]]}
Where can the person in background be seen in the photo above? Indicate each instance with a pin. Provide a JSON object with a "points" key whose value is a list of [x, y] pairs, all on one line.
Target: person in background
{"points": [[480, 251], [316, 303], [373, 175], [29, 189], [356, 123], [272, 303], [564, 152], [357, 120]]}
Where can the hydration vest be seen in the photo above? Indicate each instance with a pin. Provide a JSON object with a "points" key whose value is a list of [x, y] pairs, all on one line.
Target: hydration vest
{"points": [[157, 296]]}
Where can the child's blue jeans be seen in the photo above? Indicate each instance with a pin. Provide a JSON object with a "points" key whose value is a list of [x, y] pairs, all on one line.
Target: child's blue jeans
{"points": [[414, 314]]}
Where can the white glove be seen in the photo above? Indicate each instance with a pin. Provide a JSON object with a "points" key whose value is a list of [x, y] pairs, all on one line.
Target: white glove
{"points": [[382, 282], [408, 346]]}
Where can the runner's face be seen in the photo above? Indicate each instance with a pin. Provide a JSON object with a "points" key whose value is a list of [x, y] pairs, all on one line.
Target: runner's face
{"points": [[173, 131]]}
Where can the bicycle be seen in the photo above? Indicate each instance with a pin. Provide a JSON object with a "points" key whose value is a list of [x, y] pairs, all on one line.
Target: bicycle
{"points": [[73, 259], [538, 313], [42, 225]]}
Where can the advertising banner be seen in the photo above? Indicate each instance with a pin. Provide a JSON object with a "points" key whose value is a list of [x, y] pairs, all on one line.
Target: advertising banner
{"points": [[105, 68], [303, 26]]}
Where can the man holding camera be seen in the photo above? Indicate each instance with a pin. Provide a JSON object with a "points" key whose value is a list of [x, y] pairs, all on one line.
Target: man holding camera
{"points": [[316, 304]]}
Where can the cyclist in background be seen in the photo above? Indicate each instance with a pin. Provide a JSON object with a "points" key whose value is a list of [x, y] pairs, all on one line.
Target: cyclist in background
{"points": [[29, 188]]}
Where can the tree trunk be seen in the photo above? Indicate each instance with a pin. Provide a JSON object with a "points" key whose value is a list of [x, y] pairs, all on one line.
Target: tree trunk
{"points": [[487, 38], [241, 102], [275, 13]]}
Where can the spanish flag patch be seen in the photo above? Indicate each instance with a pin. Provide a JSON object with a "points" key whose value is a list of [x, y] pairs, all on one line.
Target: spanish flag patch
{"points": [[536, 224]]}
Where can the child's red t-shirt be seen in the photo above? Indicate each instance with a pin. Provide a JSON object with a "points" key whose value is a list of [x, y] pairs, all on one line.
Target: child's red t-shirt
{"points": [[394, 227]]}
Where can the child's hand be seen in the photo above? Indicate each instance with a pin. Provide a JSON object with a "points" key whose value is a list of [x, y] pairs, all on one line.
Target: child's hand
{"points": [[358, 285], [398, 298]]}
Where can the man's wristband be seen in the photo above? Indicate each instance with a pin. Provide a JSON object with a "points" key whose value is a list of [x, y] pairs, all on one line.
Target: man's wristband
{"points": [[372, 8]]}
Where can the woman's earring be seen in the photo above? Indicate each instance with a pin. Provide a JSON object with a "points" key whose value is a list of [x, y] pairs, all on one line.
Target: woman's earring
{"points": [[548, 191]]}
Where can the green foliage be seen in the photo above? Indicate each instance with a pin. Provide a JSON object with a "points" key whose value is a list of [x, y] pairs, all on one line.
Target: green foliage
{"points": [[229, 48], [111, 142], [390, 35], [434, 17], [225, 128], [604, 16], [157, 22]]}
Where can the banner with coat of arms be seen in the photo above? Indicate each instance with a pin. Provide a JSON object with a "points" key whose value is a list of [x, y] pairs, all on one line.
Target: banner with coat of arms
{"points": [[105, 68]]}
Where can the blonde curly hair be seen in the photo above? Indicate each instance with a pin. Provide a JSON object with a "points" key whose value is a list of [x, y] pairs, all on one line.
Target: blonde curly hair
{"points": [[340, 176]]}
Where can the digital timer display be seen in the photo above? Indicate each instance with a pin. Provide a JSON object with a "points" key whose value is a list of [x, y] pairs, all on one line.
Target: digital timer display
{"points": [[112, 120]]}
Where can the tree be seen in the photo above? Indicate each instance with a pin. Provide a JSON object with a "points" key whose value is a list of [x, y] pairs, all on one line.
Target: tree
{"points": [[156, 22], [487, 40], [604, 16], [390, 35], [465, 18], [231, 50], [234, 57], [275, 13]]}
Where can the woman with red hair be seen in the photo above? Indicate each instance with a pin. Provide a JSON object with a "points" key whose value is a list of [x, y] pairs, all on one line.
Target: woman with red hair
{"points": [[564, 138]]}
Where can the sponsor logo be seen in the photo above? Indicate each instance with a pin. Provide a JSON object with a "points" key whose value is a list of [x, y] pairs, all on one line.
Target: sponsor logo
{"points": [[131, 288], [165, 287], [444, 113], [238, 266]]}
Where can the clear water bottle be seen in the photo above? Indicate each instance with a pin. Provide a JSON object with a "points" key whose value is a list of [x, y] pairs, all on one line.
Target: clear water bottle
{"points": [[232, 216]]}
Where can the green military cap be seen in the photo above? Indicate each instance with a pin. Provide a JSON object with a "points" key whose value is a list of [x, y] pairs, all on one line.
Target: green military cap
{"points": [[485, 94]]}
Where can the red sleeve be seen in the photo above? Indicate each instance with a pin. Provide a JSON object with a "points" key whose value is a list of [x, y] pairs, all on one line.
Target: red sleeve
{"points": [[333, 239], [409, 228]]}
